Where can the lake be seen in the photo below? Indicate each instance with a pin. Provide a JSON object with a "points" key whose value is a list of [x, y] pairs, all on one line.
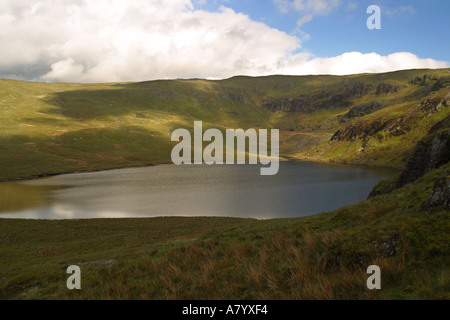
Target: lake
{"points": [[299, 189]]}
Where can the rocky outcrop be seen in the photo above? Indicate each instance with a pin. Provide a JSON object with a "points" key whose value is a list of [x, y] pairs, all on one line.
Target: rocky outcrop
{"points": [[357, 131], [436, 104], [446, 101], [365, 128], [357, 89], [394, 127], [442, 83], [421, 80], [322, 99], [440, 126], [388, 247], [389, 87], [365, 109], [415, 80], [429, 155], [440, 195], [303, 104]]}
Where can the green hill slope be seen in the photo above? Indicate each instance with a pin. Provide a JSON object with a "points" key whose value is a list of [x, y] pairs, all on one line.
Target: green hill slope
{"points": [[319, 257], [398, 119], [374, 119]]}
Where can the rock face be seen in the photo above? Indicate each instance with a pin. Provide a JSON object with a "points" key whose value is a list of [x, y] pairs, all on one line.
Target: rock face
{"points": [[394, 127], [358, 130], [436, 104], [427, 157], [365, 128], [443, 82], [323, 99], [446, 101], [421, 80], [365, 109], [388, 87], [440, 195], [429, 154]]}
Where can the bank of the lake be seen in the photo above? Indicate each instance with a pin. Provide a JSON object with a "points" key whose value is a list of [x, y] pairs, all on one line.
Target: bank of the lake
{"points": [[324, 256]]}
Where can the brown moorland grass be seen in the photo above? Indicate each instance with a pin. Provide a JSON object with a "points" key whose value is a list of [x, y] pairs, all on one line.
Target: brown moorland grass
{"points": [[319, 257]]}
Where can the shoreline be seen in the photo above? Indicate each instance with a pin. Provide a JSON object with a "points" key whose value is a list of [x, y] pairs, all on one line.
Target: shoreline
{"points": [[283, 159], [347, 164], [48, 175]]}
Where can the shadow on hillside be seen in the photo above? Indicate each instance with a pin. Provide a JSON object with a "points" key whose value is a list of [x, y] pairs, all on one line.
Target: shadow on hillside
{"points": [[118, 101], [182, 101], [82, 150], [135, 99]]}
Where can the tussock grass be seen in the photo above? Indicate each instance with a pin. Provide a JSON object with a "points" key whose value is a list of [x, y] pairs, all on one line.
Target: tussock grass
{"points": [[54, 128], [318, 257]]}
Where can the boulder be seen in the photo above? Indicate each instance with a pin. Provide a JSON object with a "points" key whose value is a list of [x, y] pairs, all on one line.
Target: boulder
{"points": [[440, 195], [428, 156]]}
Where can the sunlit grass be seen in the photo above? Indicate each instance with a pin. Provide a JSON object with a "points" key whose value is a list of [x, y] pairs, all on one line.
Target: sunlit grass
{"points": [[50, 128]]}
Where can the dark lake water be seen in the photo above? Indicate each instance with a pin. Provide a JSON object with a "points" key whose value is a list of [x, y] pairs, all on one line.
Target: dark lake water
{"points": [[299, 189]]}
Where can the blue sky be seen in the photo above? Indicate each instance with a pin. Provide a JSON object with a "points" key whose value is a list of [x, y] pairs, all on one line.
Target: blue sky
{"points": [[417, 26], [134, 40]]}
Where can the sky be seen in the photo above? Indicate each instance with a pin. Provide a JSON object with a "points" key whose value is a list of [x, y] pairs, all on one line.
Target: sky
{"points": [[137, 40]]}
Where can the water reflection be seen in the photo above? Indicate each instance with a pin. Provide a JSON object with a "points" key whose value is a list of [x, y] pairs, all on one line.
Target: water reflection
{"points": [[300, 189], [21, 196]]}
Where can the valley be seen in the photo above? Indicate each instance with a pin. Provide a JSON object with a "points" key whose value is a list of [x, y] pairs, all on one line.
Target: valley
{"points": [[394, 120], [373, 119]]}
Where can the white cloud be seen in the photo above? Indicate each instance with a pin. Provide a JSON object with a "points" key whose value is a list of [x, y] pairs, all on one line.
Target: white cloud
{"points": [[316, 7], [356, 62], [118, 40], [304, 19], [405, 10]]}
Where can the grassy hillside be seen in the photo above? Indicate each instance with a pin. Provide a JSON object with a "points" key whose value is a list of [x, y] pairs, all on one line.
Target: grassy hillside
{"points": [[319, 257], [48, 128], [398, 119]]}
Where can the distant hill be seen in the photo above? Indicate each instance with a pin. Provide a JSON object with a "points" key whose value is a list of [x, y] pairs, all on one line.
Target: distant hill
{"points": [[373, 119]]}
